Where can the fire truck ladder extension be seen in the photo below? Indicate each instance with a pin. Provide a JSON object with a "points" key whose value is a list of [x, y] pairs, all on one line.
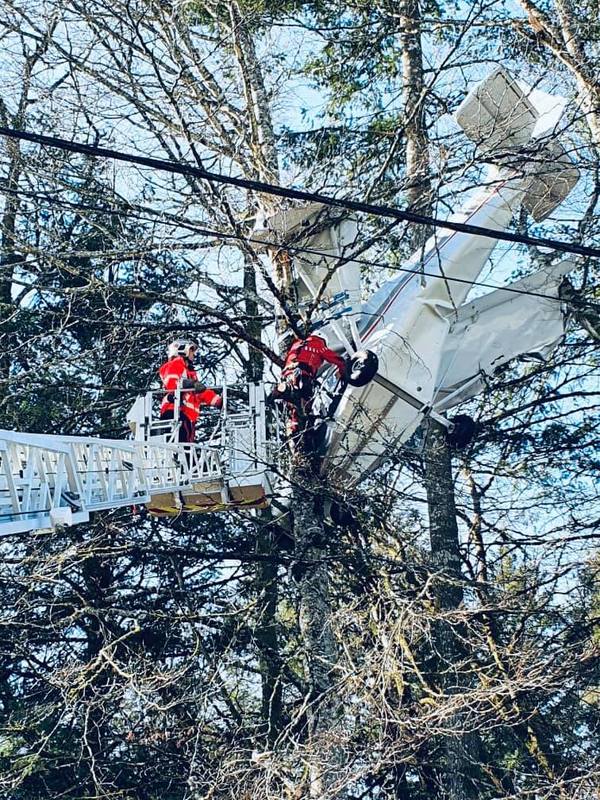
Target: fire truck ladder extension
{"points": [[47, 481]]}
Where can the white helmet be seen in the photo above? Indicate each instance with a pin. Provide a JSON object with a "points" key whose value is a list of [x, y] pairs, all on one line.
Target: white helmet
{"points": [[181, 347]]}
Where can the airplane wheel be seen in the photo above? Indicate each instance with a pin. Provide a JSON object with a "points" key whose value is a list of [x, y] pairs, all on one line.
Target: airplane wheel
{"points": [[463, 432], [363, 368]]}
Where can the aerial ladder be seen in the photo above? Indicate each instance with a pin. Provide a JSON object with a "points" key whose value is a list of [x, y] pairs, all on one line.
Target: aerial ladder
{"points": [[418, 345], [60, 480]]}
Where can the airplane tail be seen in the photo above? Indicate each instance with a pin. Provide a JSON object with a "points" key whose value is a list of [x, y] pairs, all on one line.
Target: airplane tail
{"points": [[552, 178], [517, 128]]}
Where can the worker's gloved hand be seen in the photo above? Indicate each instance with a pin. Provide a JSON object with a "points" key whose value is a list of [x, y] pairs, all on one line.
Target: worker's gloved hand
{"points": [[170, 397], [199, 386], [217, 402]]}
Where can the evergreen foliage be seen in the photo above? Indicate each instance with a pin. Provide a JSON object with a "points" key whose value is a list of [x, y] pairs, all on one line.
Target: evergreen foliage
{"points": [[237, 656]]}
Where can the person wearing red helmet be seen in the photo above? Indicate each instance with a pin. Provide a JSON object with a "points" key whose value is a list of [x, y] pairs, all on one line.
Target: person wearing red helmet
{"points": [[178, 372], [303, 361]]}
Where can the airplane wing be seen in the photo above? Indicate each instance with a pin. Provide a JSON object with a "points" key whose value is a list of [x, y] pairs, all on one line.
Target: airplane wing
{"points": [[502, 325]]}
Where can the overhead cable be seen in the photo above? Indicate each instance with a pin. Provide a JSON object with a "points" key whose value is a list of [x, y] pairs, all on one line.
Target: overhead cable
{"points": [[292, 248], [298, 194]]}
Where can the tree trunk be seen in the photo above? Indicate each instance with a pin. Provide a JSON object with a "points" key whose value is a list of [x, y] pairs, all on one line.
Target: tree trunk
{"points": [[265, 160], [8, 258], [563, 41], [325, 754], [262, 136], [8, 255], [315, 607], [438, 467], [308, 526], [587, 81], [452, 772], [418, 191]]}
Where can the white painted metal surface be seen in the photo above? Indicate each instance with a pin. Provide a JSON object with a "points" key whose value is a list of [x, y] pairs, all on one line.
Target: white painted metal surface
{"points": [[497, 113], [406, 324], [432, 346], [490, 331], [409, 321], [327, 279], [49, 480], [416, 321]]}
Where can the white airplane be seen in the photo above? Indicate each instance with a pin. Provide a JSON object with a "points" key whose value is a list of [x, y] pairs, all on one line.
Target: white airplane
{"points": [[433, 349]]}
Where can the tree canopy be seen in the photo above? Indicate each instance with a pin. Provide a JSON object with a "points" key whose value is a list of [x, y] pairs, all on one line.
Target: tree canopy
{"points": [[442, 644]]}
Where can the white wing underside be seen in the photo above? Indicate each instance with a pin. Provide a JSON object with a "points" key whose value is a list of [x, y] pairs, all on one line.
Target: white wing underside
{"points": [[489, 332]]}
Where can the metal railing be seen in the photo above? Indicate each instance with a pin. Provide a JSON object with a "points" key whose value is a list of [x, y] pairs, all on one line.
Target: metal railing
{"points": [[49, 480]]}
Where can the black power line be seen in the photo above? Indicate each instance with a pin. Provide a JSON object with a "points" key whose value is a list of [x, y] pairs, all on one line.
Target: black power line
{"points": [[293, 248], [297, 194]]}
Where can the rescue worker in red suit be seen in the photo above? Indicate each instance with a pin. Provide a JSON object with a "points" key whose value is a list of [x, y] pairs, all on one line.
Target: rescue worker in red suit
{"points": [[302, 363], [178, 372]]}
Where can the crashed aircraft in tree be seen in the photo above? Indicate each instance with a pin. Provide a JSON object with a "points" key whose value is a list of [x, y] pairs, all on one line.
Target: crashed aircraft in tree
{"points": [[427, 347]]}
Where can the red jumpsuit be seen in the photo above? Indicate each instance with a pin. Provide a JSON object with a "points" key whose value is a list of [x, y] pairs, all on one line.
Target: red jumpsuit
{"points": [[172, 374], [310, 354], [302, 363]]}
